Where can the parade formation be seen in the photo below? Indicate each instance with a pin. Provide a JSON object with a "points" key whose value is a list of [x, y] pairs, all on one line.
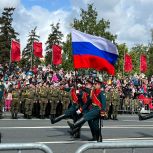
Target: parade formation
{"points": [[83, 80], [67, 95]]}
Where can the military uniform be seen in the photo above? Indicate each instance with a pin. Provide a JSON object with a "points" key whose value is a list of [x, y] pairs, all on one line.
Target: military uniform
{"points": [[98, 104], [71, 111], [48, 106], [30, 97], [65, 99], [109, 106], [116, 102], [42, 101], [16, 96], [54, 100], [1, 98]]}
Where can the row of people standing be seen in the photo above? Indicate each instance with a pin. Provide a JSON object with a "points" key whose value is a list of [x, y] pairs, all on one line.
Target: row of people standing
{"points": [[38, 101]]}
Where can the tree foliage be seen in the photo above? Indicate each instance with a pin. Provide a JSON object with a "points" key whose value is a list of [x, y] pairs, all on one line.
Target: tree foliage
{"points": [[90, 24], [119, 67], [150, 56], [28, 57], [135, 53], [7, 32], [55, 37]]}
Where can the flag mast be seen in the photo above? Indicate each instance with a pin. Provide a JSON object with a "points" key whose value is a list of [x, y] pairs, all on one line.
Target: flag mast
{"points": [[10, 53], [123, 62]]}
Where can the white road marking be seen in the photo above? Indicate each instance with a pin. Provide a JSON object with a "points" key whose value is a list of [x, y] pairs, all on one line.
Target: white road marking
{"points": [[84, 127], [104, 140]]}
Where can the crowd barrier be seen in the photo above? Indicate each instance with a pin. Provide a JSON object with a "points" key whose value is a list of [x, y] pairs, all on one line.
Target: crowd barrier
{"points": [[24, 146], [133, 145]]}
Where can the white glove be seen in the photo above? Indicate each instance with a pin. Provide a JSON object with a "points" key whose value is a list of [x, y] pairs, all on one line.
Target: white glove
{"points": [[78, 112]]}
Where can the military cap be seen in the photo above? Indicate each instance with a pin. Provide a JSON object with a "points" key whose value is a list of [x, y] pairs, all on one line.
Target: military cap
{"points": [[100, 82], [89, 81]]}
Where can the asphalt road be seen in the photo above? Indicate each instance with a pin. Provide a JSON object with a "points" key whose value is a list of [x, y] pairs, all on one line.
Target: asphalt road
{"points": [[127, 128]]}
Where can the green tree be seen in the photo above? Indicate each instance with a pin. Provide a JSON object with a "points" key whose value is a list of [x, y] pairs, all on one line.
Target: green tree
{"points": [[67, 63], [88, 23], [28, 57], [7, 32], [55, 37], [135, 52], [150, 56], [119, 67]]}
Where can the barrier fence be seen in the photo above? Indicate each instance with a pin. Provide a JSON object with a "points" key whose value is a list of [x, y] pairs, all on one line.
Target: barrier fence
{"points": [[116, 145], [24, 146]]}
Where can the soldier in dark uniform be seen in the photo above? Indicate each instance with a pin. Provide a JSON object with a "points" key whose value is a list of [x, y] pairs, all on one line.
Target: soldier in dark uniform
{"points": [[1, 94], [98, 104]]}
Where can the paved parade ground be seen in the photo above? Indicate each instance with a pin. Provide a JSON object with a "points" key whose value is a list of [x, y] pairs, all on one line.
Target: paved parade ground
{"points": [[127, 128]]}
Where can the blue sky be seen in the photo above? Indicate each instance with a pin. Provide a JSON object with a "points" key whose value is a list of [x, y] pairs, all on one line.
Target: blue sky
{"points": [[48, 4]]}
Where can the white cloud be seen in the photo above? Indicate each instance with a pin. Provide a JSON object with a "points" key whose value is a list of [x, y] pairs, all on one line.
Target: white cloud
{"points": [[8, 3], [131, 20], [25, 20]]}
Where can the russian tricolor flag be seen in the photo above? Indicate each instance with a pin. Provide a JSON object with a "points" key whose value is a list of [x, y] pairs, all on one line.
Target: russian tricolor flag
{"points": [[93, 52]]}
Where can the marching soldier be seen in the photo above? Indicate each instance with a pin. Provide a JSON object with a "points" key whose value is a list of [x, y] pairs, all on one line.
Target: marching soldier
{"points": [[98, 105], [1, 94]]}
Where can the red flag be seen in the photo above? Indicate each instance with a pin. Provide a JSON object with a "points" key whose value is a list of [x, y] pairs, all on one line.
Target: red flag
{"points": [[127, 63], [15, 51], [37, 49], [143, 63], [56, 54]]}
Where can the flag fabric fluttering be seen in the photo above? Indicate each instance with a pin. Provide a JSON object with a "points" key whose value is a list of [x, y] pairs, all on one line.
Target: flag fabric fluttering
{"points": [[127, 63], [143, 63], [56, 54], [37, 49], [15, 51], [93, 52]]}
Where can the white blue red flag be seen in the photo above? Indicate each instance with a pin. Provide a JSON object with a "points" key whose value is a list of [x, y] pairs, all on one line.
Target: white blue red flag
{"points": [[93, 52]]}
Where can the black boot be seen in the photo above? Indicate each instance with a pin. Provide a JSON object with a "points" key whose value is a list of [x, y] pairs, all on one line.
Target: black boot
{"points": [[78, 123], [77, 134], [74, 131], [148, 116], [57, 119]]}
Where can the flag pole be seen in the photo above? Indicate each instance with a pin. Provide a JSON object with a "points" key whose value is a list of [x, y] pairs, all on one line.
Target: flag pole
{"points": [[140, 65], [31, 53], [10, 53], [52, 56], [123, 62]]}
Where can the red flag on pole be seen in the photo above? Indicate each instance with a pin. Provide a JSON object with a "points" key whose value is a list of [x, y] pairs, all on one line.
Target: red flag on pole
{"points": [[56, 54], [15, 51], [143, 63], [127, 63], [37, 49]]}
